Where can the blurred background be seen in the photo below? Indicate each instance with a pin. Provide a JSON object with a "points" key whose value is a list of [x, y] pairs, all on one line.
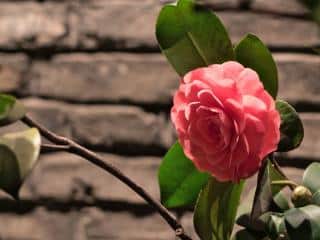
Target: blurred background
{"points": [[91, 70]]}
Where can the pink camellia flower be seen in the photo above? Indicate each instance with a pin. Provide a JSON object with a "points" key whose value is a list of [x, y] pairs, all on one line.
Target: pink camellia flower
{"points": [[226, 121]]}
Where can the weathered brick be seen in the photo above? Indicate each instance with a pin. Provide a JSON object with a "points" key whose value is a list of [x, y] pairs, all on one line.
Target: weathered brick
{"points": [[272, 29], [139, 24], [116, 24], [97, 25], [31, 25], [83, 224], [298, 77], [120, 128], [292, 7], [125, 226], [123, 78], [52, 114], [59, 220], [125, 126], [22, 227], [68, 177], [104, 77], [12, 69]]}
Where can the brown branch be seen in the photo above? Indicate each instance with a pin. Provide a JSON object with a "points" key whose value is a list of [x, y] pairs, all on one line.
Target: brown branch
{"points": [[73, 147], [53, 148]]}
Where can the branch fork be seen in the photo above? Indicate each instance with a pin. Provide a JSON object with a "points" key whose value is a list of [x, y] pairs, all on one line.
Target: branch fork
{"points": [[64, 144]]}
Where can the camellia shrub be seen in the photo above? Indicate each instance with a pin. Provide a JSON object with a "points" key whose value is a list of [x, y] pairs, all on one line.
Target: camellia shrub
{"points": [[229, 123]]}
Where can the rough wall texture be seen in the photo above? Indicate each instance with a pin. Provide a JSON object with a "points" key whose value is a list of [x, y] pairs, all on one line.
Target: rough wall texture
{"points": [[92, 71]]}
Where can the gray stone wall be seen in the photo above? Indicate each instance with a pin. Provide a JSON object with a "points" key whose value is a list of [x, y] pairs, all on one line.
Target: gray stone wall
{"points": [[92, 71]]}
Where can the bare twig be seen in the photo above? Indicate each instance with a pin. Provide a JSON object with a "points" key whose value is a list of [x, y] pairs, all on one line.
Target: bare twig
{"points": [[70, 146], [54, 148]]}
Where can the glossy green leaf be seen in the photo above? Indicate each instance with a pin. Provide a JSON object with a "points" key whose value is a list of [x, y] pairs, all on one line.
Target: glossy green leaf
{"points": [[19, 152], [251, 52], [276, 226], [180, 182], [291, 127], [265, 190], [281, 201], [311, 177], [191, 37], [10, 178], [316, 198], [216, 209], [303, 223], [11, 110]]}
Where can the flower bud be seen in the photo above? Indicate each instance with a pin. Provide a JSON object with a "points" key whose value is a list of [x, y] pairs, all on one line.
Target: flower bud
{"points": [[301, 196]]}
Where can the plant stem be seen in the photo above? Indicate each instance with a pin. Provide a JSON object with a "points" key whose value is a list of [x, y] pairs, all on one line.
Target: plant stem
{"points": [[53, 148], [68, 145], [289, 183], [278, 168]]}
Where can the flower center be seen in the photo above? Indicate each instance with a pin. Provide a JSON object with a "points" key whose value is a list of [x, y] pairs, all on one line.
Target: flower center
{"points": [[213, 131]]}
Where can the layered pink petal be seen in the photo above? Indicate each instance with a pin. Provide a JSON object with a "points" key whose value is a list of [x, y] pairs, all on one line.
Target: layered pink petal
{"points": [[248, 82], [272, 136], [225, 120], [232, 69]]}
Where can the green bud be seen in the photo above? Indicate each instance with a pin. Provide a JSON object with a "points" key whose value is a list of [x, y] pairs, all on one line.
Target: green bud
{"points": [[301, 196]]}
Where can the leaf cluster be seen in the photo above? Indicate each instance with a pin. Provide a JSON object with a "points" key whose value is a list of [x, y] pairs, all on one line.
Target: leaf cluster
{"points": [[19, 151], [190, 37]]}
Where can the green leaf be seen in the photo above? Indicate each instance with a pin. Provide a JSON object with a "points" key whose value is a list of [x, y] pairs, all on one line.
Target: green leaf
{"points": [[316, 198], [18, 154], [303, 223], [9, 171], [265, 190], [180, 182], [191, 37], [291, 127], [251, 52], [281, 201], [276, 226], [216, 209], [311, 177], [11, 110]]}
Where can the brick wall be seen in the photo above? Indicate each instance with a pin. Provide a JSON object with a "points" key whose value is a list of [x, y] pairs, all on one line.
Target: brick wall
{"points": [[92, 71]]}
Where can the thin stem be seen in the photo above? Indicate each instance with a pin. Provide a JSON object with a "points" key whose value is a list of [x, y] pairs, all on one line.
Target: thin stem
{"points": [[289, 183], [73, 147], [53, 148], [51, 136], [278, 168]]}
